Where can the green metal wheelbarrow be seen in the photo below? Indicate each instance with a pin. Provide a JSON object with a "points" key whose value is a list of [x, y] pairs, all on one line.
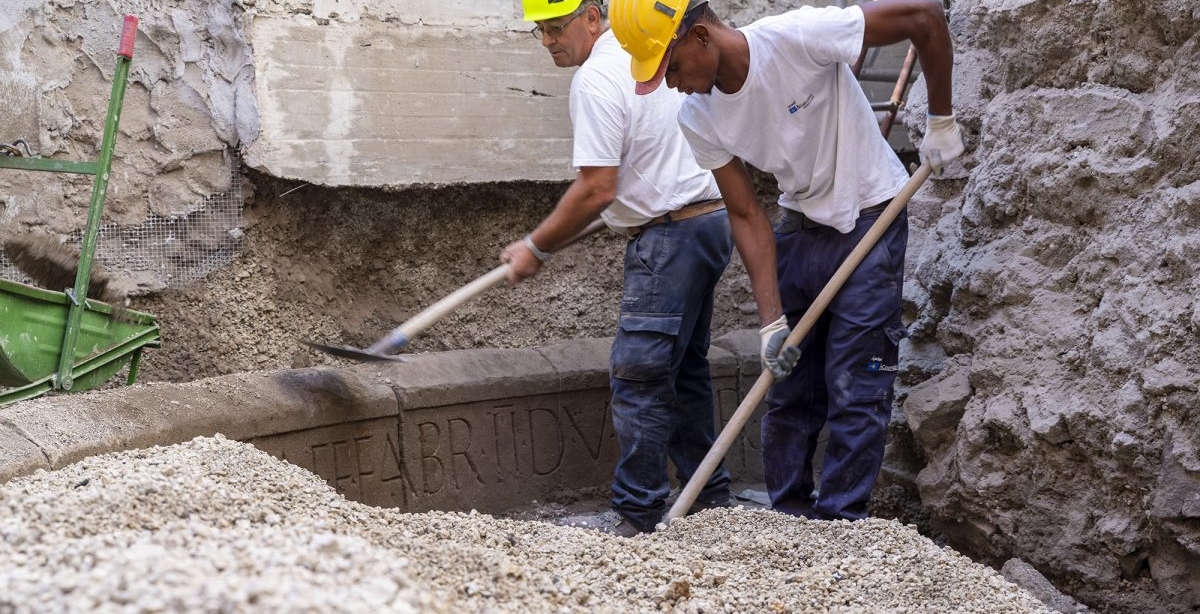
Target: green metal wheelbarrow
{"points": [[62, 340]]}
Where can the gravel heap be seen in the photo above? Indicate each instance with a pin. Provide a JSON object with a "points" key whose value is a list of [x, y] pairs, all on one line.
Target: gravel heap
{"points": [[218, 526]]}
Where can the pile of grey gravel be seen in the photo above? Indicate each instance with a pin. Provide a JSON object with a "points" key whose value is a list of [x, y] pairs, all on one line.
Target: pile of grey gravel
{"points": [[214, 525]]}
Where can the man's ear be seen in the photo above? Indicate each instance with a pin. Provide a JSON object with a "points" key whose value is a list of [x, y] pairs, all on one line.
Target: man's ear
{"points": [[594, 19], [700, 32]]}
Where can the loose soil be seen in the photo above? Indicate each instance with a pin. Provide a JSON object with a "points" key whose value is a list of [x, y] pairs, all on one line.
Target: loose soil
{"points": [[346, 266], [214, 525]]}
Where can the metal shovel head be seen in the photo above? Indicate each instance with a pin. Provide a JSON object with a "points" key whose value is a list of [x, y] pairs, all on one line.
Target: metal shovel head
{"points": [[353, 353]]}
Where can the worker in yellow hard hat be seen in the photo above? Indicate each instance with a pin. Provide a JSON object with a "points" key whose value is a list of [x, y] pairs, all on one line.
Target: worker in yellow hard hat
{"points": [[779, 94], [635, 171]]}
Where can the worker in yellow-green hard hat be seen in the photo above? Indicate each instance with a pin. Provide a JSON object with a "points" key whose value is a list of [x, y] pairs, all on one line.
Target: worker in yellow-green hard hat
{"points": [[779, 94], [636, 173]]}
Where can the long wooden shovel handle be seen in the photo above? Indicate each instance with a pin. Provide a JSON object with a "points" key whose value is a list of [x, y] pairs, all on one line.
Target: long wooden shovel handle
{"points": [[417, 324], [758, 391]]}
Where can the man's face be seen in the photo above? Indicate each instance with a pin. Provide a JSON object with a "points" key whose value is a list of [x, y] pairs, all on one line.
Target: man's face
{"points": [[569, 39], [692, 67]]}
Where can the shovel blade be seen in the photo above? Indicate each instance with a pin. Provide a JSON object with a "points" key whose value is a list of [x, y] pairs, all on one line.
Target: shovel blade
{"points": [[353, 353]]}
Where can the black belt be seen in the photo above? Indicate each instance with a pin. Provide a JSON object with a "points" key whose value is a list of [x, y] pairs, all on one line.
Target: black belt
{"points": [[794, 220]]}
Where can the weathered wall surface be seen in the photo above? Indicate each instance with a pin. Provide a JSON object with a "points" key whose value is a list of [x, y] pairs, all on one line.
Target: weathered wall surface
{"points": [[189, 99], [1054, 290], [478, 429], [378, 104]]}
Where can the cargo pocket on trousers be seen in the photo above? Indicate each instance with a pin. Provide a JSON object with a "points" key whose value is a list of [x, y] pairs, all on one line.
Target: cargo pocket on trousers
{"points": [[875, 374], [645, 346]]}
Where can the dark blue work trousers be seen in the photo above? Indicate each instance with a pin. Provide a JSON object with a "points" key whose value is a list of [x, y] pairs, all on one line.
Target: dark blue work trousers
{"points": [[845, 374], [662, 397]]}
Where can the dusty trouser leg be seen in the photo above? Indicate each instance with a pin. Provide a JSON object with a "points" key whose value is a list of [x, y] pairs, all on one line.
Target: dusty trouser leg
{"points": [[695, 416], [795, 415], [670, 270], [861, 361], [796, 406]]}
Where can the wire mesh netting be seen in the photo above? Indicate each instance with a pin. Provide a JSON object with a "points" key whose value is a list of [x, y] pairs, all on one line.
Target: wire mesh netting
{"points": [[166, 252]]}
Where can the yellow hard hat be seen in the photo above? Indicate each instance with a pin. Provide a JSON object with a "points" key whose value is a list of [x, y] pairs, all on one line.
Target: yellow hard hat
{"points": [[646, 29], [541, 10]]}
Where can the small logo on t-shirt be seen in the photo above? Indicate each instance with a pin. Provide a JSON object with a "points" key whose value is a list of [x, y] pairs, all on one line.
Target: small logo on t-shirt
{"points": [[795, 108]]}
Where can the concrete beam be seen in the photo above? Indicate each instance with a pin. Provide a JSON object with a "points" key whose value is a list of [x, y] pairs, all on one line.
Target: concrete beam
{"points": [[378, 104]]}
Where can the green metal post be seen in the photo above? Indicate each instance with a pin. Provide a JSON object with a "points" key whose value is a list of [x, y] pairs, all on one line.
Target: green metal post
{"points": [[135, 364], [99, 188]]}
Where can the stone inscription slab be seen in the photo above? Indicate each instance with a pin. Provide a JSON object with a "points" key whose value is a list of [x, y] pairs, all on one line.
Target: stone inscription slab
{"points": [[487, 456]]}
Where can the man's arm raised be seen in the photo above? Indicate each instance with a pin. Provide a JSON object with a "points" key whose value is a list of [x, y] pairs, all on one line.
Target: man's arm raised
{"points": [[924, 23]]}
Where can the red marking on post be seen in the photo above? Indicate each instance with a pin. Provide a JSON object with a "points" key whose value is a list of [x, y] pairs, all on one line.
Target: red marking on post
{"points": [[127, 35]]}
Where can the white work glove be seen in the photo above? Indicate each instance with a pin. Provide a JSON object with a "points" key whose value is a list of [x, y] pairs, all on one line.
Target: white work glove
{"points": [[776, 358], [943, 142]]}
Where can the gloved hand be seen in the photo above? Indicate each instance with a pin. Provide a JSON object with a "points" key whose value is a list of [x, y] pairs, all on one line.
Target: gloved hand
{"points": [[943, 142], [776, 358], [525, 263]]}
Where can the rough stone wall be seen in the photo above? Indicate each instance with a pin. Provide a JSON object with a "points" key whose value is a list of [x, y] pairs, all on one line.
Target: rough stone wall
{"points": [[190, 98], [1053, 290]]}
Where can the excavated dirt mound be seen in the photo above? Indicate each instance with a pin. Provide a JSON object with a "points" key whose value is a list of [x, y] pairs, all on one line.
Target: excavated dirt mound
{"points": [[218, 526], [347, 266]]}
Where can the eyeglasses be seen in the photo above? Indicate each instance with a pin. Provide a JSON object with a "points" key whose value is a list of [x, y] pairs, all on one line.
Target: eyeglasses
{"points": [[539, 31]]}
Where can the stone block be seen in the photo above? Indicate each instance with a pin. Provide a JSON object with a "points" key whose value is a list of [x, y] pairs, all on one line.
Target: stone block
{"points": [[744, 346], [18, 455], [1024, 575], [476, 429], [239, 406], [744, 459], [934, 408], [465, 376], [580, 363], [486, 455]]}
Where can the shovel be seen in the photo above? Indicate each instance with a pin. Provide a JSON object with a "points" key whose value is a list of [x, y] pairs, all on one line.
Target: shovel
{"points": [[758, 391], [385, 349]]}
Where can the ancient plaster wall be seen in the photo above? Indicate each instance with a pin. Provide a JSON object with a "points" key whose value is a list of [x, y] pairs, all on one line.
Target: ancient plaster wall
{"points": [[1053, 291], [189, 101]]}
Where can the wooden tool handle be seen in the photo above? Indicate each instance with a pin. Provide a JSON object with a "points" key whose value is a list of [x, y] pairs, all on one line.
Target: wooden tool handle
{"points": [[417, 324], [758, 391]]}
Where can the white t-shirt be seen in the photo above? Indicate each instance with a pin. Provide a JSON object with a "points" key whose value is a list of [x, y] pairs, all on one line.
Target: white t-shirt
{"points": [[615, 127], [802, 116]]}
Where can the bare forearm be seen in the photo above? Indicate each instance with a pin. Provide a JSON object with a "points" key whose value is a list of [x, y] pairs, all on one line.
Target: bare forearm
{"points": [[752, 235], [756, 243], [582, 203], [936, 54], [924, 23]]}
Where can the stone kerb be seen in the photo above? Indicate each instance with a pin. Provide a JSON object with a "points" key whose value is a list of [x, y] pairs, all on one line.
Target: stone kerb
{"points": [[472, 429]]}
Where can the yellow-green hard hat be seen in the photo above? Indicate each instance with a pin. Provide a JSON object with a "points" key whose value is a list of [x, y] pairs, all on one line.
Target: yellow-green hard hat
{"points": [[541, 10]]}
